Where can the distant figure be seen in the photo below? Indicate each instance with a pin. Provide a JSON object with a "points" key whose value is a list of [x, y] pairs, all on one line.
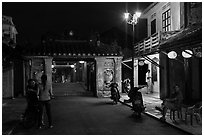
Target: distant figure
{"points": [[149, 82], [115, 95], [44, 101], [127, 86]]}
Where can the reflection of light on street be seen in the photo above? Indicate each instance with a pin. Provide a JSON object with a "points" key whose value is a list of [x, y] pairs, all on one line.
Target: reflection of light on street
{"points": [[72, 66]]}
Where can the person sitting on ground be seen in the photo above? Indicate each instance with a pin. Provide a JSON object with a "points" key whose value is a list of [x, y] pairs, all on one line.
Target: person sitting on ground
{"points": [[174, 101]]}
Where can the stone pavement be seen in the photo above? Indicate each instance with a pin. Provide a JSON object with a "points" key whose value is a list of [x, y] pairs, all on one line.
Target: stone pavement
{"points": [[13, 108], [11, 112], [152, 100]]}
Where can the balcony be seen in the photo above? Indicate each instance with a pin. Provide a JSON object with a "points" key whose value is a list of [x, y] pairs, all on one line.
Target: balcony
{"points": [[190, 37], [151, 44]]}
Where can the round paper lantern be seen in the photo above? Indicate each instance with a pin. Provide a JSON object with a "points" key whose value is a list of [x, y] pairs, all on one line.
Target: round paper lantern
{"points": [[141, 63], [187, 54], [172, 55]]}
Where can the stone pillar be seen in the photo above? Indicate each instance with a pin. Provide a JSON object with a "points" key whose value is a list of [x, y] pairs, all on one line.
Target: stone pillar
{"points": [[37, 68], [85, 73], [136, 73], [117, 71], [108, 70], [48, 71], [99, 75]]}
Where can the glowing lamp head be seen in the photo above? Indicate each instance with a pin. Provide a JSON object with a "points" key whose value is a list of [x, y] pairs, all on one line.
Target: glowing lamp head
{"points": [[126, 15], [137, 14]]}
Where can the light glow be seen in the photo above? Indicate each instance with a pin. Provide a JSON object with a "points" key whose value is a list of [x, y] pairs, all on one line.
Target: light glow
{"points": [[81, 62], [126, 15], [187, 54], [172, 55]]}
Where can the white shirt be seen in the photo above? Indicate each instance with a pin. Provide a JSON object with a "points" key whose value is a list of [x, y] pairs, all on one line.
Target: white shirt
{"points": [[147, 76]]}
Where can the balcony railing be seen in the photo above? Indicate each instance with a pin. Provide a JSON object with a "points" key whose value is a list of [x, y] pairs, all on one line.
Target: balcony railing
{"points": [[151, 44]]}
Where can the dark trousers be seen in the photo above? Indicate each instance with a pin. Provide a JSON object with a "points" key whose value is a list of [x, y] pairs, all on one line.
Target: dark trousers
{"points": [[47, 106]]}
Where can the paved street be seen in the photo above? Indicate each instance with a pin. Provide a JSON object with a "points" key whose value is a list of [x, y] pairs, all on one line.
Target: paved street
{"points": [[87, 115]]}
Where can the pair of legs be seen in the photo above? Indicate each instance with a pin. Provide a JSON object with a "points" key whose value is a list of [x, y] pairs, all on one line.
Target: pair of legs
{"points": [[149, 87], [167, 105], [47, 106]]}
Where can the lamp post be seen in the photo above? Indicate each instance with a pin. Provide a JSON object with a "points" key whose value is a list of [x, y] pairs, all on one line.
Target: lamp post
{"points": [[132, 20]]}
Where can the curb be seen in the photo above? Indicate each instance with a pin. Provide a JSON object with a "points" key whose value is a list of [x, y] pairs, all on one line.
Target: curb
{"points": [[151, 115]]}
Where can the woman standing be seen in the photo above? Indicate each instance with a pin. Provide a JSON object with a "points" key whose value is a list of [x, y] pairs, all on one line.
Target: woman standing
{"points": [[44, 101]]}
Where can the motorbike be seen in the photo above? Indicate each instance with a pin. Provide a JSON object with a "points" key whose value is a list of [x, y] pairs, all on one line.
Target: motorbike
{"points": [[137, 101]]}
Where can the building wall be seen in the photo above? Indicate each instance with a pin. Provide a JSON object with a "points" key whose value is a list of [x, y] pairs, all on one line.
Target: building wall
{"points": [[8, 30], [18, 78], [8, 83], [156, 13], [108, 70]]}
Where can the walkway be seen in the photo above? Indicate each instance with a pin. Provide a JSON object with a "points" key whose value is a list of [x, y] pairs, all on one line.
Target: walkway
{"points": [[152, 100], [67, 89]]}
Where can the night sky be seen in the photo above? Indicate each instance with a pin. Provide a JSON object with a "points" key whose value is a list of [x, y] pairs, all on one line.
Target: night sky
{"points": [[34, 19]]}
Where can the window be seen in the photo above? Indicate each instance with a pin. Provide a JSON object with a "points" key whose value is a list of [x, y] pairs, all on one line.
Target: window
{"points": [[166, 21], [153, 26]]}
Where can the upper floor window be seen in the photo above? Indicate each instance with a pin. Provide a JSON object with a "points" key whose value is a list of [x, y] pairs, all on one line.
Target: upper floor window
{"points": [[166, 21], [153, 26]]}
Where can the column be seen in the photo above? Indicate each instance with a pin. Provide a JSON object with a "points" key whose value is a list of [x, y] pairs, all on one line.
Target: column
{"points": [[99, 76], [48, 72], [117, 71]]}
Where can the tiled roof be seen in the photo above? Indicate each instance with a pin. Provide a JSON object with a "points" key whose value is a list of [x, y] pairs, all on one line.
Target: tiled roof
{"points": [[191, 36], [72, 48]]}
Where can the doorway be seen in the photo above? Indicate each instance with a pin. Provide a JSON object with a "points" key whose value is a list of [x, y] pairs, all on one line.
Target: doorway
{"points": [[142, 69]]}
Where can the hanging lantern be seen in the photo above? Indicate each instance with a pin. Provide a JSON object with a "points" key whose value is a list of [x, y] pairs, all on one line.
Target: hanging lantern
{"points": [[141, 63], [187, 53], [146, 62], [172, 55]]}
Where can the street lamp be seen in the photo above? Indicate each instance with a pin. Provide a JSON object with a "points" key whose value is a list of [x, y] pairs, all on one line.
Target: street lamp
{"points": [[132, 20]]}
